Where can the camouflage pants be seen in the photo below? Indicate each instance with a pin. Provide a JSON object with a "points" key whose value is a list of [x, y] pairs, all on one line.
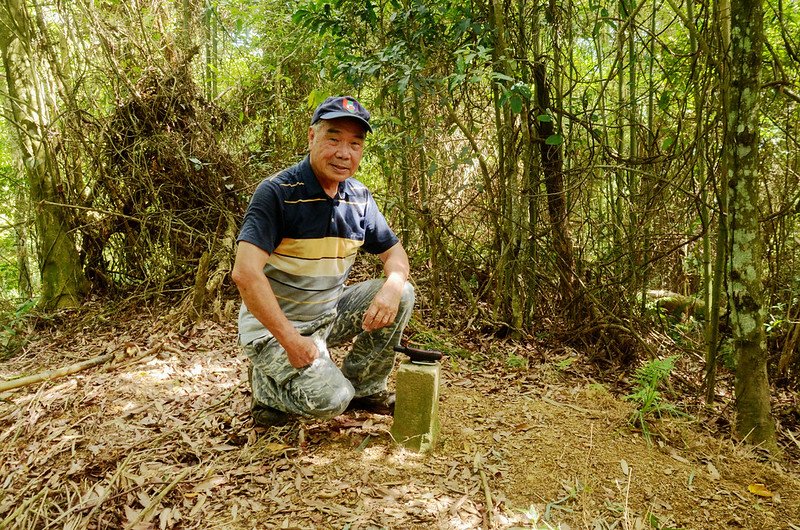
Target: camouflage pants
{"points": [[322, 390]]}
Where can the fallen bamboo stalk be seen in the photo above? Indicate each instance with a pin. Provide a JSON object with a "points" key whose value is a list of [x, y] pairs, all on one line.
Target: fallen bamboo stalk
{"points": [[145, 514], [487, 493], [74, 368], [6, 523], [54, 374], [477, 466], [95, 503]]}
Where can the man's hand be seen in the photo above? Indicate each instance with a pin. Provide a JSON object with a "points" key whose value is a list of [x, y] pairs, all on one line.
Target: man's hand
{"points": [[383, 309], [248, 273], [301, 351]]}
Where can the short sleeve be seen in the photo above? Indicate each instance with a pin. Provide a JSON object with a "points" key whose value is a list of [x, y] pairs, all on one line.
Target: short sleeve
{"points": [[378, 237], [263, 219]]}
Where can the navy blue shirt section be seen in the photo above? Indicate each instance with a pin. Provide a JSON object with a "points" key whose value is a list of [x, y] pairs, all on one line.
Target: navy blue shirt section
{"points": [[292, 204]]}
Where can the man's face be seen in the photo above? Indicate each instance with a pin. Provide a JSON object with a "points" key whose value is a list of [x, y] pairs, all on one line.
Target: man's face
{"points": [[335, 150]]}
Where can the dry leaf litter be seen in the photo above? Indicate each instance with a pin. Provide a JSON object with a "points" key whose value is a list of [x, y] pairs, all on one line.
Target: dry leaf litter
{"points": [[160, 438]]}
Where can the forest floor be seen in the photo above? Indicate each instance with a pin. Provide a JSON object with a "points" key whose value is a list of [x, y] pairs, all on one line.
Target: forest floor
{"points": [[160, 437]]}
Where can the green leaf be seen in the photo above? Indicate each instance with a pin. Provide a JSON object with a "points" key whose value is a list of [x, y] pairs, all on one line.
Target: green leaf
{"points": [[315, 98], [664, 99], [523, 90], [554, 139], [299, 17], [402, 85], [516, 103], [667, 143], [497, 76], [544, 118]]}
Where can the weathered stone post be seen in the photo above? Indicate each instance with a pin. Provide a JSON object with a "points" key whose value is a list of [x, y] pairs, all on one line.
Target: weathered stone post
{"points": [[416, 412]]}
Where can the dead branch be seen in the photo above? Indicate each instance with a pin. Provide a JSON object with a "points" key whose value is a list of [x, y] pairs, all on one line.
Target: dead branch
{"points": [[54, 374], [49, 375]]}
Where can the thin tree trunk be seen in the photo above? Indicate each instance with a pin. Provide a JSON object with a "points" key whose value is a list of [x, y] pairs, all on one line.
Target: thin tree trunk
{"points": [[711, 277], [552, 165], [754, 419], [22, 223]]}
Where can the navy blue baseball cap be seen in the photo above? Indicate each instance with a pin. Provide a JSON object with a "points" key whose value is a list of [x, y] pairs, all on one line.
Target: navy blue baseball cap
{"points": [[342, 107]]}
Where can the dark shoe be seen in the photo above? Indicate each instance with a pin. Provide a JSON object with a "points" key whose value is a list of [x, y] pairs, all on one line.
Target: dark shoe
{"points": [[266, 416], [379, 403]]}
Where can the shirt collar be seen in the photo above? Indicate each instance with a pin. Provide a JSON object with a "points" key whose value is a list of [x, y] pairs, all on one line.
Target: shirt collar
{"points": [[310, 180]]}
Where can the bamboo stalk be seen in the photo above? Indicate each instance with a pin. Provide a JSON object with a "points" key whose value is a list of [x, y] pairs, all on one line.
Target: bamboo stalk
{"points": [[54, 374], [145, 513], [477, 467], [74, 368]]}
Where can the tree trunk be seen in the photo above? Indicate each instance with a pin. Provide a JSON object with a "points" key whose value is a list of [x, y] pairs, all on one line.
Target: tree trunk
{"points": [[22, 219], [62, 277], [552, 165], [754, 420]]}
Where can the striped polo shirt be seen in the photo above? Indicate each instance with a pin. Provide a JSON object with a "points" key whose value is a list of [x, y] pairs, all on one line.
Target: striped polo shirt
{"points": [[312, 241]]}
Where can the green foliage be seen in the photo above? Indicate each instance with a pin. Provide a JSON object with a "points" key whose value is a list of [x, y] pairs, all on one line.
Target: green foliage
{"points": [[728, 354], [430, 339], [777, 320], [9, 187], [647, 397], [12, 328], [8, 263], [563, 364], [517, 95], [554, 139], [517, 362]]}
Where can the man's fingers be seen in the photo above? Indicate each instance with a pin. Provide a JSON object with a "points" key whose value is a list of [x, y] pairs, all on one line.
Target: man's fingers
{"points": [[376, 319], [303, 353]]}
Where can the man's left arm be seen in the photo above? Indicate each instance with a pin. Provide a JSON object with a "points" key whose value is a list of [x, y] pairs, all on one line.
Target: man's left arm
{"points": [[383, 309]]}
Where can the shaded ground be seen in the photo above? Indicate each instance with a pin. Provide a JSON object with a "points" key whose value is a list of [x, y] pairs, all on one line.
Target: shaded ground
{"points": [[161, 438]]}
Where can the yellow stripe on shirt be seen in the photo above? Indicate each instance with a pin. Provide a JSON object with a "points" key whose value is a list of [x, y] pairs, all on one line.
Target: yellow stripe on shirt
{"points": [[305, 200], [318, 248], [311, 267]]}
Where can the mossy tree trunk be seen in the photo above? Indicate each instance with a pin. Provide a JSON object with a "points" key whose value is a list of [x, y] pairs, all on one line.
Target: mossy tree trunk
{"points": [[754, 420], [28, 105]]}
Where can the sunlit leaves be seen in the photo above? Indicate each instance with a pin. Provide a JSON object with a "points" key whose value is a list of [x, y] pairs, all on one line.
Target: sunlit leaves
{"points": [[471, 66], [516, 96], [315, 97]]}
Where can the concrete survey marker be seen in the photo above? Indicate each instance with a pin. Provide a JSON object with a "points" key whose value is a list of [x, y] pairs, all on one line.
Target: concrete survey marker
{"points": [[416, 411]]}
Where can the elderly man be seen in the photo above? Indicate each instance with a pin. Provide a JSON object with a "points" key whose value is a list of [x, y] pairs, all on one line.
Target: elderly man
{"points": [[298, 241]]}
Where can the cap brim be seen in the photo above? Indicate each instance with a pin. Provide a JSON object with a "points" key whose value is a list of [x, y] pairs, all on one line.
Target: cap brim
{"points": [[334, 115]]}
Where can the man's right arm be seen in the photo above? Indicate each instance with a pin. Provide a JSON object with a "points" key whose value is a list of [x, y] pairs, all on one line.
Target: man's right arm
{"points": [[257, 295]]}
